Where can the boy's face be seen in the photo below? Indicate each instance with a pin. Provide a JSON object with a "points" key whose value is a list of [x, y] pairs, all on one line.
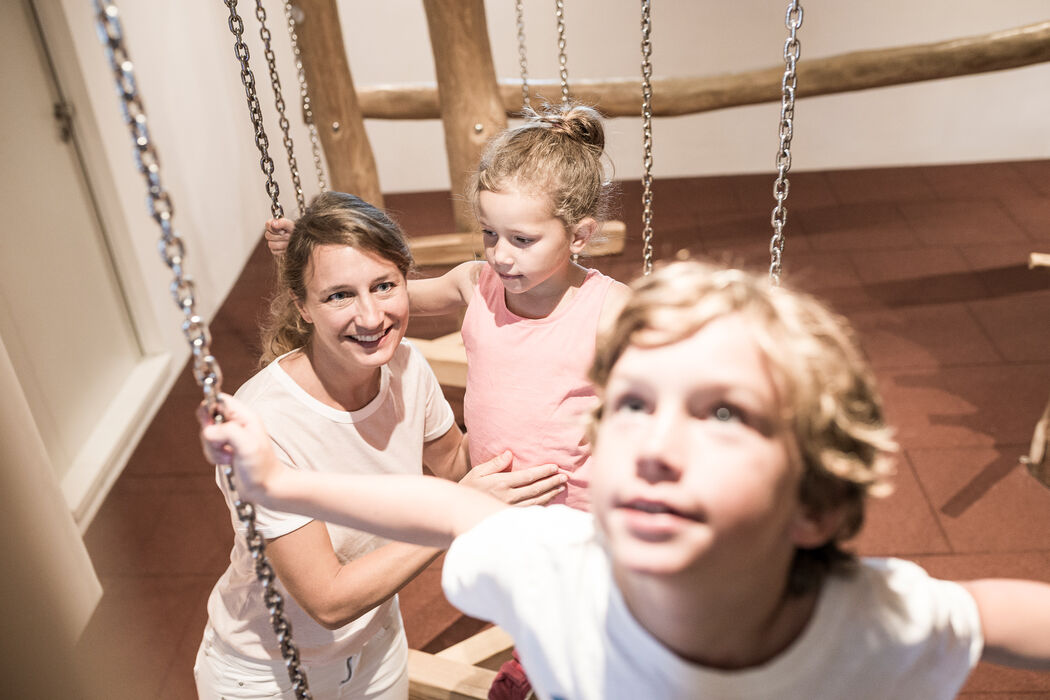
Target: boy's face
{"points": [[692, 472]]}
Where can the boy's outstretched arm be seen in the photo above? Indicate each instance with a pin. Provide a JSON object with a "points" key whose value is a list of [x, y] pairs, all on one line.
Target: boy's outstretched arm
{"points": [[1015, 620], [417, 509]]}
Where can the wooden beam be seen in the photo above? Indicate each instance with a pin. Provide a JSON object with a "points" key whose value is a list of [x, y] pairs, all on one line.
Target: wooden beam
{"points": [[470, 106], [484, 647], [337, 112], [434, 678], [1035, 461], [858, 70], [447, 357], [454, 248]]}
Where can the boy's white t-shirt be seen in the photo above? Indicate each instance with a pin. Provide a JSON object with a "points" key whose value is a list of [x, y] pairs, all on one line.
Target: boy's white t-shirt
{"points": [[384, 437], [887, 631]]}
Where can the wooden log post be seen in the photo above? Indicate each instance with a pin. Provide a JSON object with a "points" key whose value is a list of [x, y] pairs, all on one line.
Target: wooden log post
{"points": [[337, 113], [471, 108]]}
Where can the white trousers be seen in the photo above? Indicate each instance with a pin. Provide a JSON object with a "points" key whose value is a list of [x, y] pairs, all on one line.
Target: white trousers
{"points": [[378, 672]]}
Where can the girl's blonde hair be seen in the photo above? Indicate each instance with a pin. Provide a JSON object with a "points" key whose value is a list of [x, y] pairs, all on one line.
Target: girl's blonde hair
{"points": [[831, 408], [333, 218], [557, 154]]}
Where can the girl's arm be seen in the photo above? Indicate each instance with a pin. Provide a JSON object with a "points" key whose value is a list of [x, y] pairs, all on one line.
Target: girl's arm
{"points": [[445, 294], [276, 233], [417, 509], [1015, 620]]}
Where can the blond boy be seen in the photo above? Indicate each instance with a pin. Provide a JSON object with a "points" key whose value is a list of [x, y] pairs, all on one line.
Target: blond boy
{"points": [[738, 436]]}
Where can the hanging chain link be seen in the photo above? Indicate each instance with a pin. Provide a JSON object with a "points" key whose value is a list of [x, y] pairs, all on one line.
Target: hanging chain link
{"points": [[278, 101], [647, 134], [781, 186], [171, 246], [304, 96], [523, 60], [559, 11], [262, 142]]}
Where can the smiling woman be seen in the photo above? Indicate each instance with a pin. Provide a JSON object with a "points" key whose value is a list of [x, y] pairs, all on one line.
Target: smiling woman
{"points": [[340, 391]]}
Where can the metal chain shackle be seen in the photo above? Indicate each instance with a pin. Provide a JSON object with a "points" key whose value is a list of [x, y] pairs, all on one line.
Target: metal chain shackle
{"points": [[304, 97], [278, 101], [262, 142], [206, 369], [647, 134], [781, 186], [559, 12]]}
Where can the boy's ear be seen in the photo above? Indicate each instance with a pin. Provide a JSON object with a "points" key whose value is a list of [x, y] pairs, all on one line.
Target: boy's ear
{"points": [[581, 233], [812, 530]]}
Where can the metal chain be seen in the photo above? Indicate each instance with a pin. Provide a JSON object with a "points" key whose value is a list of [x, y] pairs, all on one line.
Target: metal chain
{"points": [[523, 60], [278, 100], [647, 134], [304, 96], [171, 247], [559, 11], [781, 186], [262, 142]]}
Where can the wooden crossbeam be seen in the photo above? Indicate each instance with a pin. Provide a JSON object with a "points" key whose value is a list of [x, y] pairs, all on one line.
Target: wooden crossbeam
{"points": [[454, 248], [447, 358], [486, 648], [858, 70], [434, 678]]}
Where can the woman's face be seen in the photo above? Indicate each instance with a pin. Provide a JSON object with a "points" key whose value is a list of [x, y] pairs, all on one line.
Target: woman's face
{"points": [[357, 303]]}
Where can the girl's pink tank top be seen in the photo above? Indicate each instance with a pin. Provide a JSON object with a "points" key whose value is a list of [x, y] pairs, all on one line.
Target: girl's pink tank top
{"points": [[527, 386]]}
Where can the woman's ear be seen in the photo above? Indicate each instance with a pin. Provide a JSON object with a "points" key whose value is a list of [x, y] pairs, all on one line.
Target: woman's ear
{"points": [[302, 309], [582, 233], [812, 530]]}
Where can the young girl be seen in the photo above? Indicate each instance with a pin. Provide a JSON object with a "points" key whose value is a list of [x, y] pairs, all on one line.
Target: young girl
{"points": [[532, 313], [340, 392], [738, 435]]}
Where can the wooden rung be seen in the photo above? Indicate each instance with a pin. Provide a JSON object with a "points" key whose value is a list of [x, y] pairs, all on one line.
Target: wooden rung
{"points": [[609, 242], [434, 678], [447, 357], [1036, 460], [480, 649], [446, 248], [455, 248], [1038, 260]]}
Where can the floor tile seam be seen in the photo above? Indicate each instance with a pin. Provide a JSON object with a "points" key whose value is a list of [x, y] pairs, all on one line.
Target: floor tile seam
{"points": [[978, 552], [968, 305], [926, 497], [1014, 166], [112, 578], [1013, 364]]}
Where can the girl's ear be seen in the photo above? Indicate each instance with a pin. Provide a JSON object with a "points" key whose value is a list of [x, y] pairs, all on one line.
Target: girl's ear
{"points": [[581, 234], [810, 530]]}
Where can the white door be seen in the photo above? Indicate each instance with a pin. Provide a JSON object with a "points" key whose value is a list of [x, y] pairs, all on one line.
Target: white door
{"points": [[63, 316]]}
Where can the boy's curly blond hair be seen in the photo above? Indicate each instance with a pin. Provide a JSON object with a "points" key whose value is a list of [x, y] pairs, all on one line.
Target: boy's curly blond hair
{"points": [[831, 408]]}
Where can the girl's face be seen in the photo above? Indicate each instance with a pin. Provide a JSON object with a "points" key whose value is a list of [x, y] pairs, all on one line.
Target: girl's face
{"points": [[524, 244], [692, 472], [357, 303]]}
